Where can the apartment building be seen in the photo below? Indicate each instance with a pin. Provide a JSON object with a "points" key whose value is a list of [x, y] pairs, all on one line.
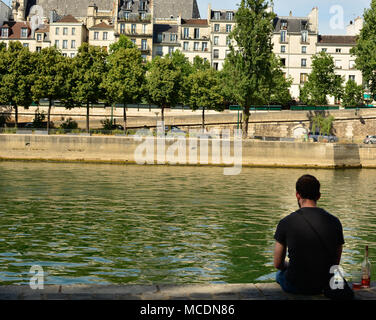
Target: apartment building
{"points": [[195, 38], [102, 35], [166, 38], [68, 34], [222, 23], [135, 20]]}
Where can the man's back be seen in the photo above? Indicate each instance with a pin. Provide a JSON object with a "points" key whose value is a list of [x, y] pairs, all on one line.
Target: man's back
{"points": [[311, 254]]}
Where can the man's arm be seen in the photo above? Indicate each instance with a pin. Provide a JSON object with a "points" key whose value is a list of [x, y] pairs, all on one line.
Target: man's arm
{"points": [[280, 256]]}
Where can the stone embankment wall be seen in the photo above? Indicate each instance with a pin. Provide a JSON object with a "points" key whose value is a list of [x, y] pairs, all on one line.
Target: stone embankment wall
{"points": [[124, 150], [351, 125]]}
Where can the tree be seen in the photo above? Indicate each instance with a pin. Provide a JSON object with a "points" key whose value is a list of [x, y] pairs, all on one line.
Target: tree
{"points": [[322, 81], [204, 91], [89, 67], [16, 83], [249, 68], [163, 83], [353, 94], [123, 42], [124, 81], [51, 74], [365, 49]]}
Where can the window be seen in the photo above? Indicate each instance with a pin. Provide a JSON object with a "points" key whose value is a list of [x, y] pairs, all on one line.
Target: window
{"points": [[283, 25], [304, 49], [217, 15], [204, 46], [196, 46], [228, 28], [144, 28], [283, 49], [64, 54], [304, 36], [57, 44], [57, 30], [72, 55], [324, 50], [303, 62], [186, 33], [38, 49], [338, 50], [65, 44], [216, 53], [216, 27], [143, 5], [73, 44], [185, 46], [352, 64], [122, 28], [133, 41], [23, 32], [143, 44], [283, 36], [303, 78], [96, 35], [105, 35], [215, 65], [4, 32], [170, 50], [129, 5], [25, 45], [283, 61], [126, 15], [197, 33], [228, 41], [216, 40], [142, 16], [352, 77], [230, 16], [338, 64], [159, 51], [133, 28], [173, 37], [73, 31], [160, 37], [65, 31], [39, 37]]}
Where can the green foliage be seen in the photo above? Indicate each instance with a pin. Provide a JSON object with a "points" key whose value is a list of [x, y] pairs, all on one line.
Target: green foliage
{"points": [[164, 82], [124, 42], [365, 49], [248, 70], [107, 124], [322, 124], [322, 81], [39, 119], [353, 95], [69, 124]]}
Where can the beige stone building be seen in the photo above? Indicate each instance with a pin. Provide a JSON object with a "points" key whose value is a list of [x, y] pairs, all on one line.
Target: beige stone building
{"points": [[67, 35], [221, 22], [102, 35]]}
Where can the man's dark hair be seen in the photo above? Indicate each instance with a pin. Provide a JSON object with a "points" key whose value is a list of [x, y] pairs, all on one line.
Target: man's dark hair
{"points": [[308, 187]]}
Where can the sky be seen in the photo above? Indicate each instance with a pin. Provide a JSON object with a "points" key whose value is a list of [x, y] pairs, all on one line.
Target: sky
{"points": [[350, 9]]}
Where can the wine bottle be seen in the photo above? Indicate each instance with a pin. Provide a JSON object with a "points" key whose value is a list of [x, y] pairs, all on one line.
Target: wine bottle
{"points": [[366, 271]]}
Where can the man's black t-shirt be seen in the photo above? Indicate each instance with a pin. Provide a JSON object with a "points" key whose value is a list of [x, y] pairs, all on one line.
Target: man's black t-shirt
{"points": [[310, 261]]}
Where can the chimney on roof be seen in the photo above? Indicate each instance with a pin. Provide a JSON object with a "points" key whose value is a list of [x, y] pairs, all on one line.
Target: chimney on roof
{"points": [[290, 14]]}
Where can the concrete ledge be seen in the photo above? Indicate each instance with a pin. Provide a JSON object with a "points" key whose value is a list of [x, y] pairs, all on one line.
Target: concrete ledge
{"points": [[258, 291]]}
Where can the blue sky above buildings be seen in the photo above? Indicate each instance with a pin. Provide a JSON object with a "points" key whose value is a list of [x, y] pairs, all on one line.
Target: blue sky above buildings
{"points": [[351, 9]]}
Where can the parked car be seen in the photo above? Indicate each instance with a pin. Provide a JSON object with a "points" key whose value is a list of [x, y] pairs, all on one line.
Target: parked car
{"points": [[370, 140], [322, 137], [174, 131]]}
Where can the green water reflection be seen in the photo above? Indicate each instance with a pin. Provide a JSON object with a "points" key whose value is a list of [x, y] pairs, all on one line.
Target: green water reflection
{"points": [[134, 224]]}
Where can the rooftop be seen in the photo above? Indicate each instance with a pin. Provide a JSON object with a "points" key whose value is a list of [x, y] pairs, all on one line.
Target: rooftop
{"points": [[337, 39]]}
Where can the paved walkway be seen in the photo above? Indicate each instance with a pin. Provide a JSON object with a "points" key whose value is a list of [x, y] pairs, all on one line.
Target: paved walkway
{"points": [[258, 291]]}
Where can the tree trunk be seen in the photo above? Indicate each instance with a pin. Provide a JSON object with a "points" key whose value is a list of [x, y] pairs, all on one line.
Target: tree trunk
{"points": [[125, 118], [49, 116], [16, 116], [203, 119], [245, 121], [162, 114], [87, 117]]}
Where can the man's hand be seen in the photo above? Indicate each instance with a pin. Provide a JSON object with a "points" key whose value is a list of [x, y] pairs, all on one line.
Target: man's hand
{"points": [[279, 256]]}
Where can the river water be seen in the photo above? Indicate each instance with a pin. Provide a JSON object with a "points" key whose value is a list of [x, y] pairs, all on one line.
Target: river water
{"points": [[100, 224]]}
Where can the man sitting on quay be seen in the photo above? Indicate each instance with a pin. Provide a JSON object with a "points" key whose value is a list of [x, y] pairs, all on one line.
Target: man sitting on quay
{"points": [[313, 238]]}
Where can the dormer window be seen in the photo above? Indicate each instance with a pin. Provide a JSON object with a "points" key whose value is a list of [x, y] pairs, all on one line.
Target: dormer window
{"points": [[24, 32], [129, 5], [4, 32], [230, 16], [217, 15], [304, 25], [142, 5], [39, 37], [283, 25]]}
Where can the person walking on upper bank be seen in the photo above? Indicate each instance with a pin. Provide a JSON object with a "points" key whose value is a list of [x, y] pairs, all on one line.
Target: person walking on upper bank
{"points": [[313, 238]]}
